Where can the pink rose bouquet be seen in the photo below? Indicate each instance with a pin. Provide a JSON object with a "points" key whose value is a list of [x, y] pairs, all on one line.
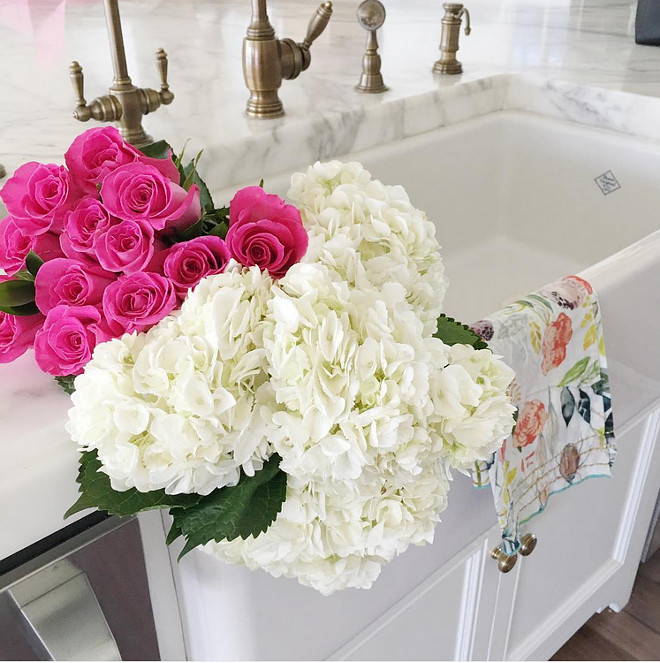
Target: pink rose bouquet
{"points": [[113, 241]]}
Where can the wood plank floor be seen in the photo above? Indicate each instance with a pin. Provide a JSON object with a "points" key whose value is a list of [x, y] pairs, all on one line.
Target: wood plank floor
{"points": [[630, 635]]}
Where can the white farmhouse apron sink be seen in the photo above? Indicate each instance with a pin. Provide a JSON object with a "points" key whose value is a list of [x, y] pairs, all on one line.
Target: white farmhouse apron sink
{"points": [[516, 204]]}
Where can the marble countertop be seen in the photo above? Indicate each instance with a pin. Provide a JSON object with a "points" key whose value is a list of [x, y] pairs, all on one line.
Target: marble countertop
{"points": [[589, 42], [558, 46]]}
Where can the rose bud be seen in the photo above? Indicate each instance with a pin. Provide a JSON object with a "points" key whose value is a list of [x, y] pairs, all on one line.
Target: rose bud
{"points": [[97, 152], [265, 231], [137, 301], [142, 193], [67, 339], [39, 195], [66, 281], [189, 262], [17, 334]]}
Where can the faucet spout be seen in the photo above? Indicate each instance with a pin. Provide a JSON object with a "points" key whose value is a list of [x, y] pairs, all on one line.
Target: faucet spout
{"points": [[260, 27]]}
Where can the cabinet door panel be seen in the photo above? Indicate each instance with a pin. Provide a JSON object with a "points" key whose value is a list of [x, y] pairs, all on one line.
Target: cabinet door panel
{"points": [[447, 617], [589, 542]]}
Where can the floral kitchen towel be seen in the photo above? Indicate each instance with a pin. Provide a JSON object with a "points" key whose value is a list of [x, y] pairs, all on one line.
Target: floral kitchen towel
{"points": [[553, 339]]}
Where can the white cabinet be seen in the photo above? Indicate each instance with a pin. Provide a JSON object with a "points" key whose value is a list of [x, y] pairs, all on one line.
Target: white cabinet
{"points": [[431, 603], [590, 542]]}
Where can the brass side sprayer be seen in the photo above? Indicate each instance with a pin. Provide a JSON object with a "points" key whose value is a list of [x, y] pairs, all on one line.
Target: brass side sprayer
{"points": [[451, 29], [125, 103], [267, 60], [371, 16]]}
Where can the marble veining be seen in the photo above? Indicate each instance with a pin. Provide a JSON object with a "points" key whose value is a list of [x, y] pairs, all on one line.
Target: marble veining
{"points": [[569, 59]]}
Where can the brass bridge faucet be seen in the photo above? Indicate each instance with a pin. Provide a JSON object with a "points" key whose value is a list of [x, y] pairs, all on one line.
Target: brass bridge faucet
{"points": [[125, 103], [267, 60], [451, 29]]}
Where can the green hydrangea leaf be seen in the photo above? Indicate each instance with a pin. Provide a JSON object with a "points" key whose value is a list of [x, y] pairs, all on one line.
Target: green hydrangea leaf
{"points": [[451, 332], [96, 492], [66, 383], [248, 508]]}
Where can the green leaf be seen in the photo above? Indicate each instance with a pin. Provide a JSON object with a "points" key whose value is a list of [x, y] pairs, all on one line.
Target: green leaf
{"points": [[96, 492], [161, 149], [66, 383], [174, 533], [196, 230], [575, 373], [24, 275], [16, 293], [204, 194], [220, 230], [21, 311], [248, 508], [451, 332], [190, 170], [17, 297], [261, 183], [33, 262]]}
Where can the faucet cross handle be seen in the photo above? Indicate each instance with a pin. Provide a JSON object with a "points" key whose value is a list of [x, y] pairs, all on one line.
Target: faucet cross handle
{"points": [[125, 103]]}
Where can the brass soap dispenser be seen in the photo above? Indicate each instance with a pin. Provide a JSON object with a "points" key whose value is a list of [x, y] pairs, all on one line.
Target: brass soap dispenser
{"points": [[451, 28]]}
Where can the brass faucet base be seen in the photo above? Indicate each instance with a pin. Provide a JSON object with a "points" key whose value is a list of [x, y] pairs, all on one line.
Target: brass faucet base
{"points": [[451, 68], [370, 84], [264, 106]]}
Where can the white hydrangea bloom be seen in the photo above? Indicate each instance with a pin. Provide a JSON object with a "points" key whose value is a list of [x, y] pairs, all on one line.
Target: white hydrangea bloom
{"points": [[366, 479], [472, 412], [333, 367], [370, 234], [178, 407]]}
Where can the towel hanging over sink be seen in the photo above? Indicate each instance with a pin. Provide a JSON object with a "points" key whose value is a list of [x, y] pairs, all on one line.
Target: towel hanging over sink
{"points": [[553, 340]]}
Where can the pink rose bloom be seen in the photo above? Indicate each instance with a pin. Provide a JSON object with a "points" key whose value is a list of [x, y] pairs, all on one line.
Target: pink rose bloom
{"points": [[138, 192], [125, 246], [47, 246], [189, 262], [97, 152], [81, 226], [17, 334], [530, 424], [14, 245], [265, 231], [137, 301], [555, 339], [39, 195], [66, 281], [67, 339]]}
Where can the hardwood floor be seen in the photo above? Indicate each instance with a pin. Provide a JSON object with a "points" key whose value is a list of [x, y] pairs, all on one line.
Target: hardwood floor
{"points": [[630, 635]]}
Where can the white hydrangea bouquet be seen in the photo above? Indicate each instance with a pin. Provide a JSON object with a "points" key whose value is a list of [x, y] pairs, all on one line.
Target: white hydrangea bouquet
{"points": [[302, 408]]}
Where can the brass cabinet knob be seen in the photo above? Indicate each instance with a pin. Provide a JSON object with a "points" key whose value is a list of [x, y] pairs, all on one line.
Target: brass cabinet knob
{"points": [[527, 544], [504, 562]]}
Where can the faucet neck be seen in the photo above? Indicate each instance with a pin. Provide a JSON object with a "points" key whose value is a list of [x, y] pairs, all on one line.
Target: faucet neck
{"points": [[260, 27]]}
